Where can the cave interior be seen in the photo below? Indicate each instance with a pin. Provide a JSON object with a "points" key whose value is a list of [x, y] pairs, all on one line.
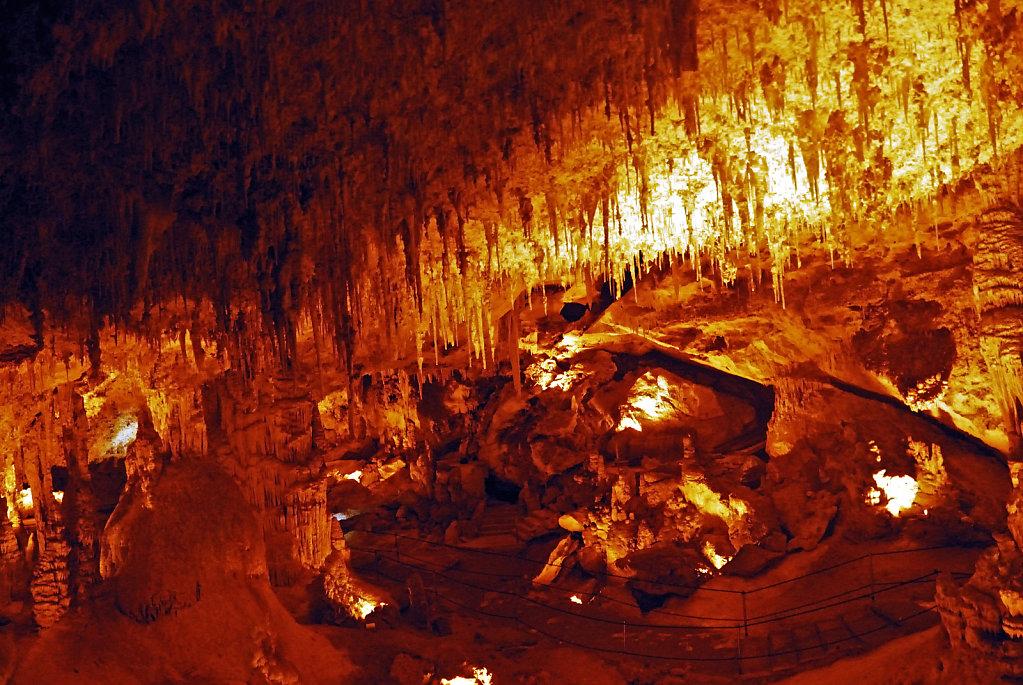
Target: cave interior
{"points": [[524, 341]]}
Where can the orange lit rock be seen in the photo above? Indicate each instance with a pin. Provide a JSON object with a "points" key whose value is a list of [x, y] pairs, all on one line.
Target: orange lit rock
{"points": [[181, 557]]}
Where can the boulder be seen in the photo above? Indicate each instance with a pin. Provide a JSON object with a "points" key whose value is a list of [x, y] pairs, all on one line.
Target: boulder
{"points": [[570, 523]]}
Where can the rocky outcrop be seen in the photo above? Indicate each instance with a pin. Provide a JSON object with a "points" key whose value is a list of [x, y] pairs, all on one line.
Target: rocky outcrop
{"points": [[984, 617], [54, 458], [188, 593], [890, 320], [51, 595], [12, 561], [190, 533]]}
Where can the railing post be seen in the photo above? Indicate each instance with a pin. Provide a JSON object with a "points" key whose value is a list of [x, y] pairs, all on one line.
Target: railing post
{"points": [[871, 558], [745, 619]]}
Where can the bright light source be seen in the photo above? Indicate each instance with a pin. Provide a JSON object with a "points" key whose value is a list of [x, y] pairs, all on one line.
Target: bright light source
{"points": [[651, 406], [125, 436], [650, 400], [25, 499], [629, 422], [900, 491], [713, 557], [732, 511], [480, 676], [58, 495], [363, 607], [575, 599], [354, 475]]}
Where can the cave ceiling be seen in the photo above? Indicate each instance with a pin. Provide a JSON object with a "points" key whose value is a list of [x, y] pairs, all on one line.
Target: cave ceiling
{"points": [[395, 174]]}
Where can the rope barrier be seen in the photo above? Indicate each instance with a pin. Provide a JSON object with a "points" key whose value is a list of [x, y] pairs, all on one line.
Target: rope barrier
{"points": [[610, 574], [850, 596], [738, 658], [538, 562], [547, 586]]}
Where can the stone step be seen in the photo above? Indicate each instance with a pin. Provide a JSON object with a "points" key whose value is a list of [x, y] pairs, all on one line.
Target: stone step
{"points": [[499, 542], [836, 636], [808, 641], [503, 518]]}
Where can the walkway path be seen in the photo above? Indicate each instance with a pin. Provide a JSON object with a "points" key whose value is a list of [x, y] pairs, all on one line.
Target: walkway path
{"points": [[787, 626]]}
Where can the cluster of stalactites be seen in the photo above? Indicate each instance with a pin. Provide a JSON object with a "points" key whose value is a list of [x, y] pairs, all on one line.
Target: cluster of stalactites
{"points": [[395, 177], [268, 159], [824, 125], [830, 125]]}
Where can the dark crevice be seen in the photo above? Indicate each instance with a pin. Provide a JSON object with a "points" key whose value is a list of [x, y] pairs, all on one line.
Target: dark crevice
{"points": [[975, 443]]}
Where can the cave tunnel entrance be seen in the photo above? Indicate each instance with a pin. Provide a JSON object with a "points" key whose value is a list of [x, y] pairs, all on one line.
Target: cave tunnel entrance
{"points": [[501, 490], [759, 396]]}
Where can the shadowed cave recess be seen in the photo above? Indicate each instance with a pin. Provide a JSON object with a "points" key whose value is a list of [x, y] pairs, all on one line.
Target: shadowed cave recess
{"points": [[475, 342]]}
